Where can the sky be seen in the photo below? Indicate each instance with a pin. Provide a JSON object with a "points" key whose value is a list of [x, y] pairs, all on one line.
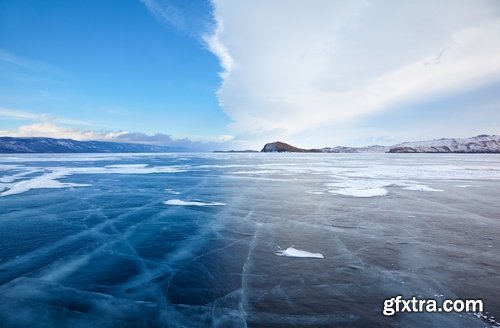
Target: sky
{"points": [[227, 74]]}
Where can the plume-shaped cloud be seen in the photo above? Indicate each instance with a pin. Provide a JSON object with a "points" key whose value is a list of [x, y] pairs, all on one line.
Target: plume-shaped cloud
{"points": [[294, 67]]}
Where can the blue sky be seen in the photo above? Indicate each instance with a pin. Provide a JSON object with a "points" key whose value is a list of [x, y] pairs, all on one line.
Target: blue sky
{"points": [[235, 74], [111, 65]]}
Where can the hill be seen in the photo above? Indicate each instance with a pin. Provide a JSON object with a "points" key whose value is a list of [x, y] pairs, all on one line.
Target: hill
{"points": [[51, 145]]}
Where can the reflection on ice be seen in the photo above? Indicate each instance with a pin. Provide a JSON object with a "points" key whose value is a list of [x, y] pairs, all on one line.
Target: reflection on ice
{"points": [[293, 252]]}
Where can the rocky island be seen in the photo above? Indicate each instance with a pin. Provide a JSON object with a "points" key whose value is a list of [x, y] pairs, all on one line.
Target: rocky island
{"points": [[281, 147]]}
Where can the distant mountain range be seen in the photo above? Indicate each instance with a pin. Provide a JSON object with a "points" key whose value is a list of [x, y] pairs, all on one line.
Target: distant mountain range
{"points": [[479, 144], [51, 145]]}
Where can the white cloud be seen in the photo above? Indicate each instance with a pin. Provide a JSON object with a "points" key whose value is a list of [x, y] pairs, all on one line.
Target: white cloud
{"points": [[224, 138], [165, 12], [7, 113], [291, 67], [50, 130], [15, 114], [189, 17], [24, 63], [216, 47]]}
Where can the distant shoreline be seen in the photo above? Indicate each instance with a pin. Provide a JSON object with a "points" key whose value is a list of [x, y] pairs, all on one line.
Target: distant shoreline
{"points": [[481, 144]]}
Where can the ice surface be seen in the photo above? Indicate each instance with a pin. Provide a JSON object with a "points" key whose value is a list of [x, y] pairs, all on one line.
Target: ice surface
{"points": [[293, 252], [121, 253], [179, 202]]}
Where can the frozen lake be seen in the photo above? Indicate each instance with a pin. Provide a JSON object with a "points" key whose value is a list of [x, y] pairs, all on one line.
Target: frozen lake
{"points": [[246, 240]]}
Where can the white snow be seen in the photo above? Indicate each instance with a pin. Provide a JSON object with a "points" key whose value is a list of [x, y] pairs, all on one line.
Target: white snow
{"points": [[421, 188], [178, 202], [354, 192], [122, 169], [48, 180], [294, 252], [313, 192], [359, 188], [373, 187], [17, 176], [481, 143], [126, 166]]}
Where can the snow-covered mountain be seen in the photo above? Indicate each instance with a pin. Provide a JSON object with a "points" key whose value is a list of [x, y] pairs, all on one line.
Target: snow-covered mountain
{"points": [[479, 144], [366, 149], [51, 145]]}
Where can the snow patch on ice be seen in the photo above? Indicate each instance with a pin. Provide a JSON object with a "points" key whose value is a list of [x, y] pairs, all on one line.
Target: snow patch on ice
{"points": [[17, 176], [294, 252], [373, 187], [122, 169], [262, 172], [421, 188], [359, 188], [4, 186], [354, 192], [118, 166], [52, 174], [48, 180], [178, 202], [487, 318], [314, 192]]}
